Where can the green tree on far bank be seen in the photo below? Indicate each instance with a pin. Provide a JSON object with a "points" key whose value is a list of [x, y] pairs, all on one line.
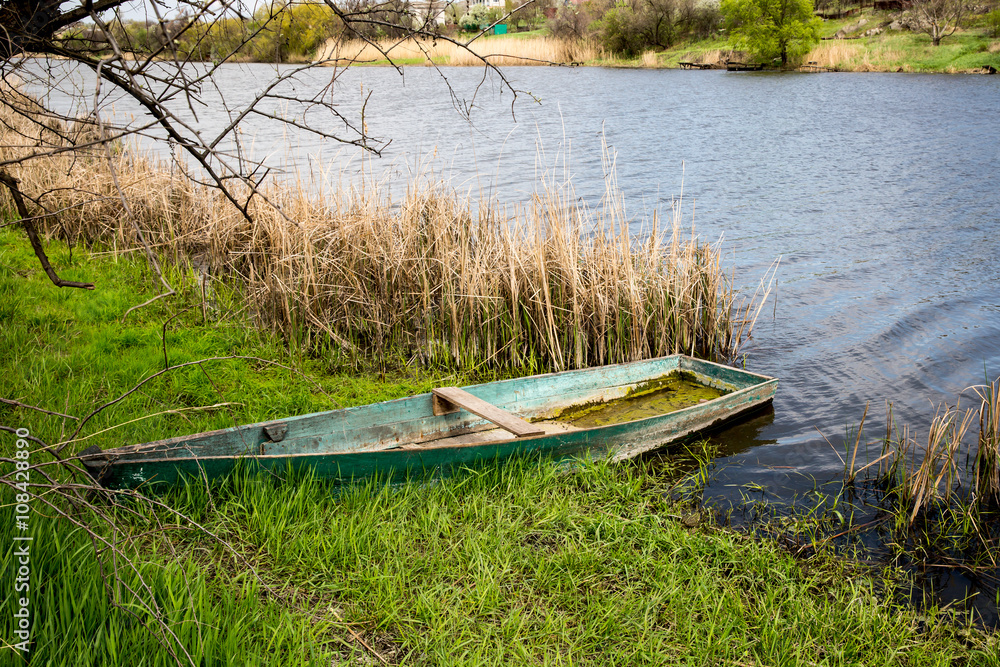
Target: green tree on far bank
{"points": [[772, 28]]}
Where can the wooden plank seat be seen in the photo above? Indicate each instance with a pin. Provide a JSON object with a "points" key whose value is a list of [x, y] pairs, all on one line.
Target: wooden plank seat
{"points": [[450, 399]]}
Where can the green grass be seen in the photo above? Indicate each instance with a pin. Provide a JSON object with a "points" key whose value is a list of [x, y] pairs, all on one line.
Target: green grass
{"points": [[959, 52], [521, 564], [518, 565], [526, 34], [831, 26], [69, 351]]}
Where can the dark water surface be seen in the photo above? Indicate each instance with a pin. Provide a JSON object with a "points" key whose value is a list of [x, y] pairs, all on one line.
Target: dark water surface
{"points": [[879, 192]]}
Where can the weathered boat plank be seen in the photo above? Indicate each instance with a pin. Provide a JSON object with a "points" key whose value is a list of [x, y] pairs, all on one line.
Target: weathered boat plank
{"points": [[449, 399]]}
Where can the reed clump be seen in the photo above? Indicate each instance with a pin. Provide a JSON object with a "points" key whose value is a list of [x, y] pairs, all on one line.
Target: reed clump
{"points": [[923, 479], [928, 506], [436, 279], [500, 51], [856, 57], [717, 57], [936, 503]]}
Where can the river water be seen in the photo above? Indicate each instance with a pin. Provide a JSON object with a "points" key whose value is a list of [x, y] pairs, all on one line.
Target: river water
{"points": [[878, 192]]}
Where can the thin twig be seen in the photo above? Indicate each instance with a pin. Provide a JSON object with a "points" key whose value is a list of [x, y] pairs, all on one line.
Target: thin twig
{"points": [[185, 365], [32, 407], [358, 638], [144, 417]]}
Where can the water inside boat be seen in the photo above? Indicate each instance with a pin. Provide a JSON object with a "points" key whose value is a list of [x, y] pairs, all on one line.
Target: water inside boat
{"points": [[661, 396]]}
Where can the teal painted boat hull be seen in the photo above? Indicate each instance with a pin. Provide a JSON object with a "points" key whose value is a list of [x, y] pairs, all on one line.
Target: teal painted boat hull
{"points": [[404, 438]]}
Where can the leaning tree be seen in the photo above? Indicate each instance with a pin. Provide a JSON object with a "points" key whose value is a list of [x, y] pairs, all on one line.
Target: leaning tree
{"points": [[164, 58]]}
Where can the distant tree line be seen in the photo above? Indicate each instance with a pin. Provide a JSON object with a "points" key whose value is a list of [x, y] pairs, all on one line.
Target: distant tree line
{"points": [[293, 30], [769, 30]]}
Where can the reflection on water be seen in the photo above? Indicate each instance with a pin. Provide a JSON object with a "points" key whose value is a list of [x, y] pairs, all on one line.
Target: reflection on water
{"points": [[745, 434]]}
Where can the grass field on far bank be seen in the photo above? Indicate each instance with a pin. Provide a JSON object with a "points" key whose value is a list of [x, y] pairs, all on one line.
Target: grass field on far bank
{"points": [[969, 50], [523, 564]]}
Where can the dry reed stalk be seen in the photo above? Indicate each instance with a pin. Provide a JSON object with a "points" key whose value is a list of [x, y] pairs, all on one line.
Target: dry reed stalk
{"points": [[889, 458], [939, 462], [713, 56], [987, 464], [417, 282], [498, 50]]}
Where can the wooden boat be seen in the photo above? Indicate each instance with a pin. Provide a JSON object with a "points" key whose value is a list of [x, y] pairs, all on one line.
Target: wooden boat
{"points": [[614, 411], [733, 66]]}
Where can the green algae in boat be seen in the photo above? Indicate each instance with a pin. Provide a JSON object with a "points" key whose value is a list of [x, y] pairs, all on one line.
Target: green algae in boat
{"points": [[673, 392], [616, 411]]}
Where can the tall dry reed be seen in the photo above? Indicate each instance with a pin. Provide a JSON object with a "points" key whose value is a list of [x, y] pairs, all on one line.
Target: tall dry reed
{"points": [[856, 57], [717, 57], [503, 51], [987, 477], [435, 279]]}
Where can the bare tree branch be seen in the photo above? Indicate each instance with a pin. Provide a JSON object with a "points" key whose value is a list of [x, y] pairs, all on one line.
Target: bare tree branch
{"points": [[29, 226]]}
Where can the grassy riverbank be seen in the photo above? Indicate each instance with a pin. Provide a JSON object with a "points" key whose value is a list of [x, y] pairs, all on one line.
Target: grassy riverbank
{"points": [[967, 51], [970, 50], [520, 565]]}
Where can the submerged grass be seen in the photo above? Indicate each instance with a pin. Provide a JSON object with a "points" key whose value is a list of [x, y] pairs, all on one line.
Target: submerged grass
{"points": [[521, 564], [928, 506]]}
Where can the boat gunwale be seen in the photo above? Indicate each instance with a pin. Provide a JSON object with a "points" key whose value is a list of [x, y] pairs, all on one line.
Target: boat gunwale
{"points": [[393, 448]]}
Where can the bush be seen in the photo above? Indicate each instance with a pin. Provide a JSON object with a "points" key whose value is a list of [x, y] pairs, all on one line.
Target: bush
{"points": [[478, 16], [618, 33], [629, 27], [701, 20], [993, 23], [571, 22]]}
